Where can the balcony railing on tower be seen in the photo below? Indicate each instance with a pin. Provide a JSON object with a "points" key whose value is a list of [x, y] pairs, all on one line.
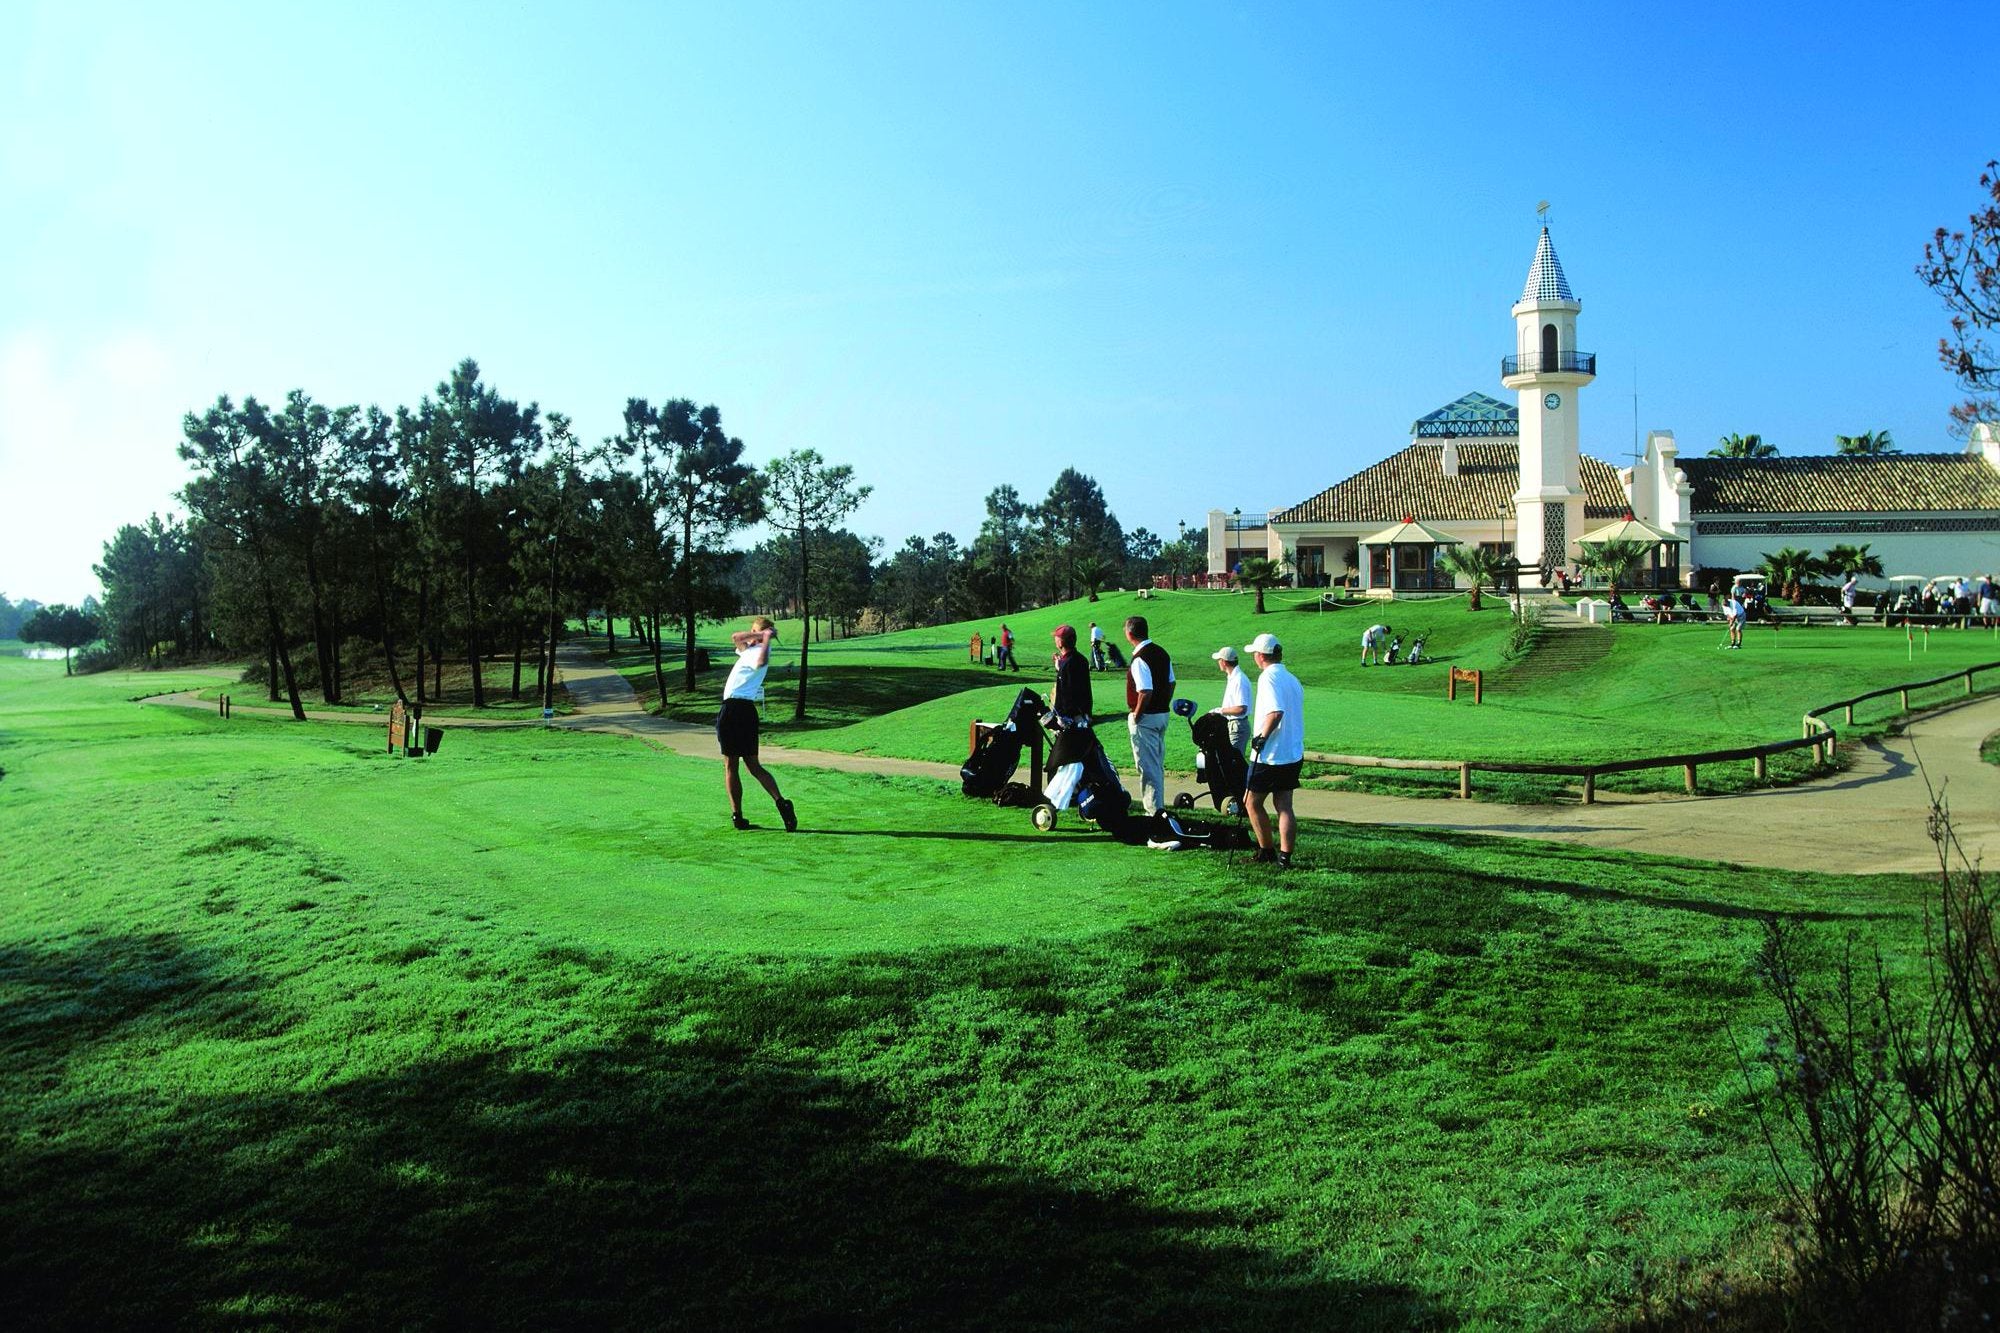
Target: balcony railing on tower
{"points": [[1534, 363]]}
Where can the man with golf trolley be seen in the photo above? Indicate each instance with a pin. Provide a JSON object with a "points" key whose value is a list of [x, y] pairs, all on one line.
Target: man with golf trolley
{"points": [[1277, 749]]}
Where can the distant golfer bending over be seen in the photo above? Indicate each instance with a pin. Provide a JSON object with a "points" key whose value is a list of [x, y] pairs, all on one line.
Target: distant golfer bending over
{"points": [[736, 725], [1373, 640]]}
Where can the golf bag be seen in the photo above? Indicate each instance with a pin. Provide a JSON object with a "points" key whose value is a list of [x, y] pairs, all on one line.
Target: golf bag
{"points": [[1117, 657], [1080, 774], [1221, 770], [1416, 652], [1175, 832], [997, 753], [1395, 647]]}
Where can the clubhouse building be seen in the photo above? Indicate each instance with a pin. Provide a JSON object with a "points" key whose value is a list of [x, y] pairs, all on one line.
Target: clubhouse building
{"points": [[1513, 477]]}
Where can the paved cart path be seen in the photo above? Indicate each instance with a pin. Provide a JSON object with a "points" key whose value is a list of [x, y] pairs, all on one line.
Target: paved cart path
{"points": [[1870, 818]]}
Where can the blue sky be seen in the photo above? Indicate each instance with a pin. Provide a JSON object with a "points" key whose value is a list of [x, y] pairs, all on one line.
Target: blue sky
{"points": [[1213, 256]]}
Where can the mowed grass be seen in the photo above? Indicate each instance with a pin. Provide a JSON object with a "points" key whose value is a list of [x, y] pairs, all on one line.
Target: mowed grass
{"points": [[295, 1033], [1660, 689]]}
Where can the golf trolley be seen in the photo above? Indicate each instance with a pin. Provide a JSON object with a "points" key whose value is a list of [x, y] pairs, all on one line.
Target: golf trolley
{"points": [[1080, 775], [1216, 763]]}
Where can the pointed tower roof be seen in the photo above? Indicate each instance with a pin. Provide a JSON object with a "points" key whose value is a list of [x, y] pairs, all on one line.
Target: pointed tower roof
{"points": [[1545, 280]]}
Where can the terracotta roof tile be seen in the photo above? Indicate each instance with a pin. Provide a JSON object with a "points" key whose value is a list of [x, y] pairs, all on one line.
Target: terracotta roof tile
{"points": [[1412, 483], [1836, 483]]}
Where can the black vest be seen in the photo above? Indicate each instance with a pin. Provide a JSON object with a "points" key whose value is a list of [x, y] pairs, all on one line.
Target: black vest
{"points": [[1162, 694]]}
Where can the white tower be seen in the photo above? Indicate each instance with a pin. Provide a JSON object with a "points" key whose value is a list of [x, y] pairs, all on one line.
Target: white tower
{"points": [[1547, 370]]}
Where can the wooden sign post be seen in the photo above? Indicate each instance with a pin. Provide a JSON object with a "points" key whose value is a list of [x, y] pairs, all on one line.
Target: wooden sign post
{"points": [[1458, 674], [399, 726]]}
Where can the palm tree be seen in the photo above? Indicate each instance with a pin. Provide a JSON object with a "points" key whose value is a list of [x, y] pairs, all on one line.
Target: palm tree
{"points": [[1260, 573], [1851, 560], [1743, 446], [1091, 571], [1870, 444], [1477, 565], [1788, 567], [1614, 559]]}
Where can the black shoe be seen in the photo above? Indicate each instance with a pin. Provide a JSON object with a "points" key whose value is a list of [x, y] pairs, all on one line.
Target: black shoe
{"points": [[739, 821], [1284, 860], [1264, 856], [789, 813]]}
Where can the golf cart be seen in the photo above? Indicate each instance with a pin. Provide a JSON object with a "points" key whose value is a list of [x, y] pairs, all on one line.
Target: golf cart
{"points": [[1902, 597]]}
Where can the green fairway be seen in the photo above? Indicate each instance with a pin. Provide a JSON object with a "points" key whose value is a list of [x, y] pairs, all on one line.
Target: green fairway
{"points": [[296, 1032], [1659, 689]]}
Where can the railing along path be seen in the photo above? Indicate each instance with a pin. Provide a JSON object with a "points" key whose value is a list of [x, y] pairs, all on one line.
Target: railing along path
{"points": [[1818, 737]]}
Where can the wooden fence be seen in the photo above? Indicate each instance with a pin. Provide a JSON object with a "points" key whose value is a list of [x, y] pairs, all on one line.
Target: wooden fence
{"points": [[1818, 737]]}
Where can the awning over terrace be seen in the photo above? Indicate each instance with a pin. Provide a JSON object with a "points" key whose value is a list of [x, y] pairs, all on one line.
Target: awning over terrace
{"points": [[1403, 558], [1629, 529]]}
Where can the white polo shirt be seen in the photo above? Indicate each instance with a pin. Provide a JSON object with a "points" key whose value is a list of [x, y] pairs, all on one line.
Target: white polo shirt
{"points": [[1279, 691], [746, 678], [1236, 689]]}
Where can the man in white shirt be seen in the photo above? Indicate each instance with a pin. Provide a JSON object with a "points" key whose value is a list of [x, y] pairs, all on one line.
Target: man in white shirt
{"points": [[736, 725], [1278, 743], [1149, 690], [1236, 698], [1372, 640]]}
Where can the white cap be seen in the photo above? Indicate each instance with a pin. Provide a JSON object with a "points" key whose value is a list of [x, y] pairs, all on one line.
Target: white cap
{"points": [[1224, 654], [1266, 644]]}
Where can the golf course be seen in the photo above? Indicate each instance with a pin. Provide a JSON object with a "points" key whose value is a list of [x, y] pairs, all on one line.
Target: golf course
{"points": [[301, 1033]]}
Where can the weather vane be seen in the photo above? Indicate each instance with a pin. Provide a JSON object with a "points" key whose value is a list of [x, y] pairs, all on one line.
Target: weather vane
{"points": [[1542, 213]]}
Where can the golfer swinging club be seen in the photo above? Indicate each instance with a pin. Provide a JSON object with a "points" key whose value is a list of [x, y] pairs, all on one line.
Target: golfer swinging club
{"points": [[736, 724]]}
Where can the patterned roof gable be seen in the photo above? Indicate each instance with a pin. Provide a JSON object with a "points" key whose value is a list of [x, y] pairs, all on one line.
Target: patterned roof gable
{"points": [[1412, 484], [1837, 484], [1475, 414]]}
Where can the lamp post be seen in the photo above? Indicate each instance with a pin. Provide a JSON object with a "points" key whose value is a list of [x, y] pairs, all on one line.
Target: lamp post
{"points": [[1180, 550], [1513, 566], [1235, 540]]}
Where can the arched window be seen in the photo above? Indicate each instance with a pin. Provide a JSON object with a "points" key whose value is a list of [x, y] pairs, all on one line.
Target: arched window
{"points": [[1549, 361]]}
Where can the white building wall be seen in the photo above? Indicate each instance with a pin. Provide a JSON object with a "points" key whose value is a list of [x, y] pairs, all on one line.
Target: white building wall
{"points": [[1927, 553]]}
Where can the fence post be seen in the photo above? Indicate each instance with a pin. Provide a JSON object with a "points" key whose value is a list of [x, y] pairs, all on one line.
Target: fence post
{"points": [[1465, 782], [1687, 772], [1590, 789], [1759, 768], [1968, 682], [1850, 715], [1904, 695]]}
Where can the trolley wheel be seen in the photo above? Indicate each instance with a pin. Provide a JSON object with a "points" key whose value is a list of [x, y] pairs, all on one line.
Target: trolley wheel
{"points": [[1184, 801], [1232, 807], [1044, 816]]}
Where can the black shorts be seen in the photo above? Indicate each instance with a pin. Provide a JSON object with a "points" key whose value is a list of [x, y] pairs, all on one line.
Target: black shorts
{"points": [[1274, 777], [736, 728]]}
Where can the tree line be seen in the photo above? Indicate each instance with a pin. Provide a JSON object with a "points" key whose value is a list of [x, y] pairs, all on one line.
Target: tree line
{"points": [[337, 544], [1868, 444]]}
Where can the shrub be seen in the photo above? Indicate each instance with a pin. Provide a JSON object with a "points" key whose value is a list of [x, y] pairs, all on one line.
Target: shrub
{"points": [[1884, 1117], [1523, 633]]}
